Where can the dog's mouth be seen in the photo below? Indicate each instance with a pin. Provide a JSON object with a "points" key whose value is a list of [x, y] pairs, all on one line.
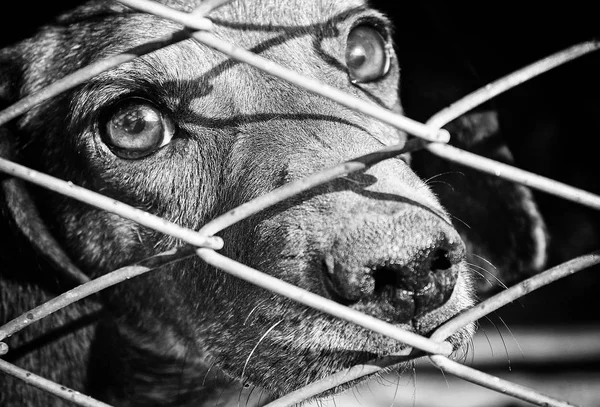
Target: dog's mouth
{"points": [[390, 292], [405, 267]]}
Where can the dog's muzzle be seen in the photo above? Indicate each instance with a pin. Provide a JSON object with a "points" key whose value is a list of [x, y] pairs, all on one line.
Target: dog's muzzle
{"points": [[396, 268]]}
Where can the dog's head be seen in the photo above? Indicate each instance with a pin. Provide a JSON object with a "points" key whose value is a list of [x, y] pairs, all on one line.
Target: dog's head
{"points": [[186, 133]]}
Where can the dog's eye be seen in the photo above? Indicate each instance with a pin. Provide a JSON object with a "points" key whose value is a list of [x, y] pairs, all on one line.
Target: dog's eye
{"points": [[367, 56], [136, 128]]}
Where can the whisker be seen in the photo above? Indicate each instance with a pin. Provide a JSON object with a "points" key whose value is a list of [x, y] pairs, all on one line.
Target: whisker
{"points": [[357, 389], [395, 392], [488, 340], [479, 273], [368, 384], [181, 374], [503, 342], [464, 353], [217, 401], [240, 395], [445, 378], [471, 345], [461, 221], [385, 380], [442, 174], [256, 346], [355, 396], [262, 392], [254, 309], [249, 395], [511, 334], [207, 373], [442, 183], [500, 282], [414, 370], [485, 260]]}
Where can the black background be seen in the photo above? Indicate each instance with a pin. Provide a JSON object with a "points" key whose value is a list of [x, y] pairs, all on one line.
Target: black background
{"points": [[551, 123]]}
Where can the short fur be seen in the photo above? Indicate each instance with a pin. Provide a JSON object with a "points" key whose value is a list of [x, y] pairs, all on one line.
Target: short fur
{"points": [[189, 334]]}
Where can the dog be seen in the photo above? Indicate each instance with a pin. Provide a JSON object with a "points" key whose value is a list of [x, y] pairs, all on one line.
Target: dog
{"points": [[187, 133]]}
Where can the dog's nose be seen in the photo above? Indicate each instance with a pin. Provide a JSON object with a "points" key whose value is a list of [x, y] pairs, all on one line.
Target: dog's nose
{"points": [[396, 269]]}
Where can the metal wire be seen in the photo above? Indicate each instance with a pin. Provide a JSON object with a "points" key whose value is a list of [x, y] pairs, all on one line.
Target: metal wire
{"points": [[322, 304], [84, 74], [502, 170], [495, 383], [514, 174], [341, 377], [429, 131], [447, 329], [110, 205], [295, 187], [192, 21], [509, 81], [92, 287], [239, 54], [50, 386], [518, 290]]}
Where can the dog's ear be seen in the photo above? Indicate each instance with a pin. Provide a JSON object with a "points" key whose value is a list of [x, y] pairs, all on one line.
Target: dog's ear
{"points": [[499, 220], [505, 234], [16, 202]]}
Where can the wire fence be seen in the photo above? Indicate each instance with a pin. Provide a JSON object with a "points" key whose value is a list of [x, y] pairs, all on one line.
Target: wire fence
{"points": [[203, 243]]}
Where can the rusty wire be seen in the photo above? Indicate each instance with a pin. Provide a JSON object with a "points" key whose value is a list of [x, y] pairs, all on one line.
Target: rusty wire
{"points": [[430, 132]]}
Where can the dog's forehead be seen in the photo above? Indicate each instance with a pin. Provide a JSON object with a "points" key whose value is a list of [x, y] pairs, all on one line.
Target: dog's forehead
{"points": [[305, 35], [265, 12], [259, 18], [292, 12]]}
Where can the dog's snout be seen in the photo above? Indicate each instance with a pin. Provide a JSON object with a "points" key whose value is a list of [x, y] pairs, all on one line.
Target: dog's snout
{"points": [[397, 272], [420, 286]]}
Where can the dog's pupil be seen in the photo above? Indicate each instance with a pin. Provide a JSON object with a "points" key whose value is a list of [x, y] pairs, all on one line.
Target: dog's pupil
{"points": [[357, 57], [134, 122]]}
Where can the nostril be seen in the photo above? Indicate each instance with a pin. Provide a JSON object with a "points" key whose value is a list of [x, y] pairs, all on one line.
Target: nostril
{"points": [[394, 280], [440, 260], [388, 277], [419, 283]]}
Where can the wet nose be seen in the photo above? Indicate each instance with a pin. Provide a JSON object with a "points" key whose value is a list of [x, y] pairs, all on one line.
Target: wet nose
{"points": [[396, 269]]}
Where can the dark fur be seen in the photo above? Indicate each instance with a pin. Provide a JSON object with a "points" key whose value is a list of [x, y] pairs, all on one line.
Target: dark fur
{"points": [[241, 133]]}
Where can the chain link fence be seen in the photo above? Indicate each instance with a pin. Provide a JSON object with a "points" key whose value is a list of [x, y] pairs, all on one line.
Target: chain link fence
{"points": [[204, 244]]}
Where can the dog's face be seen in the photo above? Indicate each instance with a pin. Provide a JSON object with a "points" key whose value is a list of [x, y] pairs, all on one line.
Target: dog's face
{"points": [[187, 134]]}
